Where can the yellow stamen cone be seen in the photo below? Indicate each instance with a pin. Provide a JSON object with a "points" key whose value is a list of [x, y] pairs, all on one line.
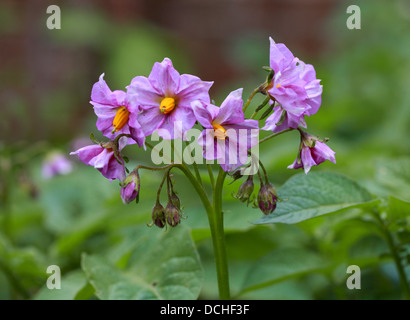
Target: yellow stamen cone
{"points": [[219, 131], [121, 119], [167, 105]]}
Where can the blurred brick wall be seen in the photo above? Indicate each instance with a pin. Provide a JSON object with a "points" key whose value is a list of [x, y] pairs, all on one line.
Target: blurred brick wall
{"points": [[31, 67], [207, 26]]}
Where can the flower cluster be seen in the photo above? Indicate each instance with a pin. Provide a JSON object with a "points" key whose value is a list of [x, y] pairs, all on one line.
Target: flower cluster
{"points": [[294, 88], [170, 104]]}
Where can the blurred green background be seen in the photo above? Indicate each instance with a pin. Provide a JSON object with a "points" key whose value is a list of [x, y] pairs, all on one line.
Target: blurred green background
{"points": [[46, 78]]}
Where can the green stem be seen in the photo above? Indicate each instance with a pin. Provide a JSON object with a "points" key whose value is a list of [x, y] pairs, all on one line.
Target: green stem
{"points": [[169, 187], [198, 188], [218, 238], [264, 171], [215, 218], [260, 177], [197, 174], [160, 186], [395, 255], [260, 107], [254, 92], [267, 111], [254, 158], [211, 175], [168, 166], [274, 135]]}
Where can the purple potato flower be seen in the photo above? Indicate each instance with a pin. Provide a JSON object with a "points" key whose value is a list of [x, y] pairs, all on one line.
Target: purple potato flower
{"points": [[131, 188], [55, 164], [165, 98], [117, 112], [312, 153], [227, 135], [295, 88], [102, 157]]}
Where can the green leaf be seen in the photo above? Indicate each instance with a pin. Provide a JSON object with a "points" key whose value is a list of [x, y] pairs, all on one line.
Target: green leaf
{"points": [[27, 263], [395, 175], [162, 265], [71, 201], [280, 265], [243, 249], [367, 248], [316, 194], [398, 209]]}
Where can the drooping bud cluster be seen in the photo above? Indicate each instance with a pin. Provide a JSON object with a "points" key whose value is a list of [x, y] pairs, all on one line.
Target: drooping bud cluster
{"points": [[266, 198], [170, 215]]}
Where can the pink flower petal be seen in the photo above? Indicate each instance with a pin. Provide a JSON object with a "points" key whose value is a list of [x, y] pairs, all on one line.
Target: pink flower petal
{"points": [[231, 111], [164, 78], [144, 92]]}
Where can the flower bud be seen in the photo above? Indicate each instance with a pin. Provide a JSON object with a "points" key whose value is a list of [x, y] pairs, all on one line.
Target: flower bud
{"points": [[267, 198], [172, 214], [158, 215], [245, 190], [175, 201], [130, 188]]}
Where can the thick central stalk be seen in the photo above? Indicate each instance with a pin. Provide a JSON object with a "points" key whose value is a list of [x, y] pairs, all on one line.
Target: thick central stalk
{"points": [[215, 218], [218, 238]]}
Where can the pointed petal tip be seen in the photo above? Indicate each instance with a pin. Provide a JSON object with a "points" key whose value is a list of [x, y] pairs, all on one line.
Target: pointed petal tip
{"points": [[236, 94], [209, 83], [167, 61]]}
